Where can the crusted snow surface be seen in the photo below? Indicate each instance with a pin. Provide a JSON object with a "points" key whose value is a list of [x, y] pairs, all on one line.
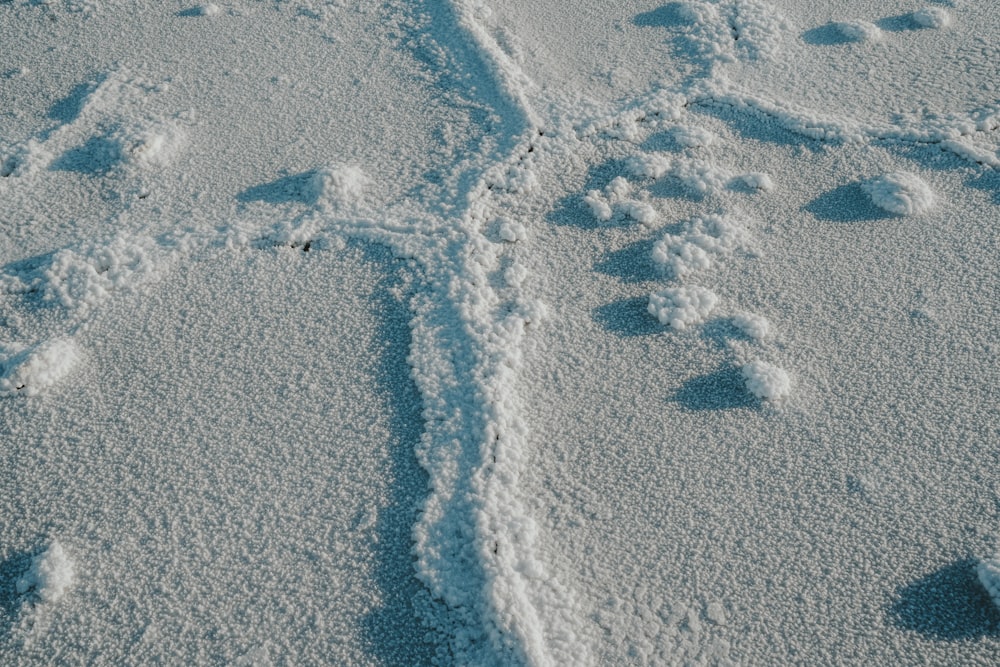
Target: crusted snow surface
{"points": [[51, 574], [902, 193], [932, 17], [702, 239]]}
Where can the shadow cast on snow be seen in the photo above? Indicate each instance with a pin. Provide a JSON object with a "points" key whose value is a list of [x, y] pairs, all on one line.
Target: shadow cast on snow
{"points": [[290, 188], [722, 389], [847, 203], [949, 604]]}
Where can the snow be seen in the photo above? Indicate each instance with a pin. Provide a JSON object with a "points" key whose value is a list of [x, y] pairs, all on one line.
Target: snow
{"points": [[680, 307], [901, 193], [932, 17], [988, 571], [859, 31], [766, 381], [524, 333], [51, 575]]}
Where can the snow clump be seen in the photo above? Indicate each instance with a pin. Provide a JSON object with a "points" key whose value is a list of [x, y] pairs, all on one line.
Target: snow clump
{"points": [[766, 381], [989, 577], [512, 232], [900, 192], [29, 370], [680, 307], [932, 17], [702, 238], [859, 31], [338, 187], [754, 326], [615, 199], [50, 575], [149, 146], [693, 137]]}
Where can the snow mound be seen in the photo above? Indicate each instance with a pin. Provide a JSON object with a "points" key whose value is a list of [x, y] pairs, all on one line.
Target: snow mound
{"points": [[733, 30], [901, 193], [766, 381], [30, 370], [932, 17], [83, 279], [756, 327], [693, 137], [615, 200], [51, 574], [680, 307], [149, 146], [989, 576], [210, 9], [512, 232], [701, 239], [859, 31], [701, 177], [758, 181], [338, 187]]}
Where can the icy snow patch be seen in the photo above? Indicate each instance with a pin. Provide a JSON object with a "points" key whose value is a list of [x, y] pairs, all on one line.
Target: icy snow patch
{"points": [[680, 307], [766, 381], [29, 370], [989, 577], [932, 17], [900, 192], [50, 575], [859, 31]]}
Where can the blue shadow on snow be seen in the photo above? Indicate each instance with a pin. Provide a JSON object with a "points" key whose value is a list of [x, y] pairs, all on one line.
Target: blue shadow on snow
{"points": [[847, 203], [722, 389]]}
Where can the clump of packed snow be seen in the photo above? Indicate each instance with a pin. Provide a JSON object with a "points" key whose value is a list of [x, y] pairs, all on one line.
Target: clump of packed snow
{"points": [[512, 232], [758, 180], [680, 307], [989, 576], [766, 381], [900, 192], [51, 574], [615, 199], [756, 327], [932, 17], [693, 137], [149, 146], [338, 187], [84, 278], [701, 239], [31, 369], [859, 31]]}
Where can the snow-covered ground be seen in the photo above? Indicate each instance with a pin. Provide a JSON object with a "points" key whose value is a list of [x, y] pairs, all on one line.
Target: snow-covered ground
{"points": [[542, 333]]}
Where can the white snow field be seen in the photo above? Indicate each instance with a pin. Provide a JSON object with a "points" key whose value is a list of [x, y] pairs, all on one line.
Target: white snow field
{"points": [[528, 333]]}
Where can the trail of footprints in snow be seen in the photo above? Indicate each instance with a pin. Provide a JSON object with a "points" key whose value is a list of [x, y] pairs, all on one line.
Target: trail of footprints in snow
{"points": [[702, 242]]}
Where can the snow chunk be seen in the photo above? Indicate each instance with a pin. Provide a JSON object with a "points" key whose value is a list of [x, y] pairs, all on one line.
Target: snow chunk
{"points": [[512, 232], [50, 575], [338, 187], [694, 137], [615, 199], [649, 165], [758, 181], [754, 326], [149, 146], [83, 279], [702, 238], [901, 193], [30, 370], [859, 31], [766, 381], [989, 576], [932, 17], [680, 307]]}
